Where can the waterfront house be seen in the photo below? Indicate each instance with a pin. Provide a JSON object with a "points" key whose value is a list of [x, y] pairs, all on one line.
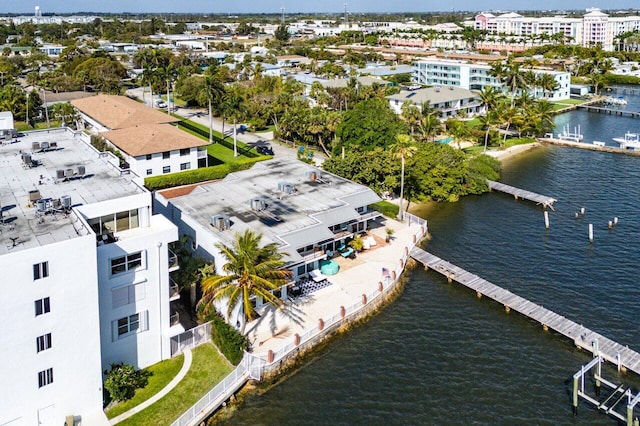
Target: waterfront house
{"points": [[448, 100], [306, 211]]}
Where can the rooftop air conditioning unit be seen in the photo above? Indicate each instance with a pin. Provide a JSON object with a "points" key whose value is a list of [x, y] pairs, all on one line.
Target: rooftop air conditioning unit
{"points": [[59, 174], [65, 200], [221, 222], [26, 158], [34, 195], [258, 204], [312, 175], [81, 170], [68, 173], [286, 187], [44, 145], [436, 88], [35, 146]]}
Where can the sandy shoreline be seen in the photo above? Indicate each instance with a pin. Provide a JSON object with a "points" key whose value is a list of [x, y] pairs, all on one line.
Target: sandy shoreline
{"points": [[512, 151]]}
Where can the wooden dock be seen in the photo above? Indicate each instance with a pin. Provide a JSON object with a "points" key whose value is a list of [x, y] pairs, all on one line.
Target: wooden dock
{"points": [[610, 111], [522, 193], [582, 337]]}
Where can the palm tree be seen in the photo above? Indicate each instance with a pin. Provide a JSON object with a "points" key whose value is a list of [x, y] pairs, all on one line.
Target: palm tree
{"points": [[214, 90], [411, 115], [233, 107], [168, 72], [251, 270], [403, 148]]}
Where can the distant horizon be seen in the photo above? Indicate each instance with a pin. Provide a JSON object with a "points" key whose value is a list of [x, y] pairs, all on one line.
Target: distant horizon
{"points": [[274, 7]]}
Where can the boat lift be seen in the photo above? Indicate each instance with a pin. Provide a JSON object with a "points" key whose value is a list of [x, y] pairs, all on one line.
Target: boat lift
{"points": [[607, 405]]}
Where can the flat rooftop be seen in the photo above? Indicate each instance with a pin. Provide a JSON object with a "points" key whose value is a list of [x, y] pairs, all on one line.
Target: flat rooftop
{"points": [[22, 226], [290, 220]]}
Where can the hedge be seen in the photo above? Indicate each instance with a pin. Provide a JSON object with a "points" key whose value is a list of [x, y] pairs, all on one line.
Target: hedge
{"points": [[245, 149], [155, 183], [229, 341]]}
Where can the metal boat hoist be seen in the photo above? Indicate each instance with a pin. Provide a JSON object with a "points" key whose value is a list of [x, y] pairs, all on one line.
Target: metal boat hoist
{"points": [[608, 402]]}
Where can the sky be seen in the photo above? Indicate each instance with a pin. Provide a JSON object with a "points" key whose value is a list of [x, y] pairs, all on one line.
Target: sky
{"points": [[294, 6]]}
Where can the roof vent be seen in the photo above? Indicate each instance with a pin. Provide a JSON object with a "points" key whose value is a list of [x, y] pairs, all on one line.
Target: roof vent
{"points": [[450, 87], [286, 187], [436, 88], [221, 222]]}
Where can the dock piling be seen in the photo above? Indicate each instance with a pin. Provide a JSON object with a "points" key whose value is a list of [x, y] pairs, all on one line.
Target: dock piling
{"points": [[615, 220], [575, 395], [591, 233], [546, 219]]}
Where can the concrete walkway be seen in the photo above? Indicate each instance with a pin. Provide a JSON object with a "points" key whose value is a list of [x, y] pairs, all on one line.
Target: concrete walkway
{"points": [[155, 398]]}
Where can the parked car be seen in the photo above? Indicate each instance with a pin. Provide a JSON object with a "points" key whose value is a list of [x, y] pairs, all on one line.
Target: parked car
{"points": [[264, 150], [159, 103]]}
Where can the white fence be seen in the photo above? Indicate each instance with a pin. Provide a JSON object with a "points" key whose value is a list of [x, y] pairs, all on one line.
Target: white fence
{"points": [[253, 366], [249, 368], [191, 338]]}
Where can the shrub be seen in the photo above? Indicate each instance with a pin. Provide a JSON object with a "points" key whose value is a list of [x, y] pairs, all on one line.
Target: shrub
{"points": [[123, 379], [189, 177], [229, 341]]}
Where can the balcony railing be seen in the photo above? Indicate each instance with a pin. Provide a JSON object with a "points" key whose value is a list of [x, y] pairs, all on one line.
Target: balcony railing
{"points": [[174, 319], [174, 290], [173, 260]]}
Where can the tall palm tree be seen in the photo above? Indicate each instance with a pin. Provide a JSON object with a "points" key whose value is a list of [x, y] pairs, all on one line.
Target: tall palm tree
{"points": [[213, 90], [168, 72], [403, 148], [233, 107], [251, 270]]}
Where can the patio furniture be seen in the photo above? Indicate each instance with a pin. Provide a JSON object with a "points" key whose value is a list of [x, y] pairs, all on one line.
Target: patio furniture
{"points": [[348, 252], [329, 267], [316, 275]]}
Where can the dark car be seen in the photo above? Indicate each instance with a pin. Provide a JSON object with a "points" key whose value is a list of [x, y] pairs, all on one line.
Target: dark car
{"points": [[264, 150]]}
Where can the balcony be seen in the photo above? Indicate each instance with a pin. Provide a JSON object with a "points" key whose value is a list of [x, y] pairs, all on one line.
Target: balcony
{"points": [[174, 290], [173, 261]]}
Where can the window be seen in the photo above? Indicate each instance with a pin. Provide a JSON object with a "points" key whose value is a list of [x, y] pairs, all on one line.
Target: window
{"points": [[166, 155], [43, 306], [185, 151], [149, 171], [43, 342], [45, 377], [185, 166], [149, 156], [129, 325], [40, 270], [127, 294], [126, 263], [115, 222], [166, 169]]}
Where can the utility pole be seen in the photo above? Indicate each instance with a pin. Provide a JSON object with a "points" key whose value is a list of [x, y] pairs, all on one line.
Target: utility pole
{"points": [[282, 13]]}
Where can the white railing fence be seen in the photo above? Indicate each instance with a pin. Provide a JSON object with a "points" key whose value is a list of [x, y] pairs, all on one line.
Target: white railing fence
{"points": [[191, 338]]}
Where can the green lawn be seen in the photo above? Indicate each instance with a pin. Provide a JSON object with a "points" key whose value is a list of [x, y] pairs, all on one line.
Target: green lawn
{"points": [[270, 128], [225, 154], [198, 125], [162, 373], [475, 149], [386, 208], [518, 141], [207, 369], [174, 100], [22, 126]]}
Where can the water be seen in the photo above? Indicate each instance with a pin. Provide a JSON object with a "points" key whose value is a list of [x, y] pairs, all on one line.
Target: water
{"points": [[602, 127], [439, 356]]}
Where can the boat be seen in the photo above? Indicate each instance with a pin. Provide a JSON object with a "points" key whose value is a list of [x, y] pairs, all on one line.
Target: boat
{"points": [[567, 135], [615, 101], [629, 141]]}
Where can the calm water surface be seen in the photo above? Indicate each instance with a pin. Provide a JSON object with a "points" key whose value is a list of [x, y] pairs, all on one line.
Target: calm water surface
{"points": [[440, 356]]}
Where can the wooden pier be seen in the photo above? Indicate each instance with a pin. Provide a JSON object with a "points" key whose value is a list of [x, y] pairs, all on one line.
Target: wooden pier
{"points": [[610, 111], [521, 193], [613, 352]]}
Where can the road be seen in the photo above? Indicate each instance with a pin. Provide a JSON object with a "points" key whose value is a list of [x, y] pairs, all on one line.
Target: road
{"points": [[201, 116]]}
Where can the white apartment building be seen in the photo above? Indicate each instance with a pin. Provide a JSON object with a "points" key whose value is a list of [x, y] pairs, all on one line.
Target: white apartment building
{"points": [[88, 277], [473, 76], [146, 137], [309, 213], [595, 27]]}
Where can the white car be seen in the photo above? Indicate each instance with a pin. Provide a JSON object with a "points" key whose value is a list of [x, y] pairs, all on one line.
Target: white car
{"points": [[159, 103]]}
